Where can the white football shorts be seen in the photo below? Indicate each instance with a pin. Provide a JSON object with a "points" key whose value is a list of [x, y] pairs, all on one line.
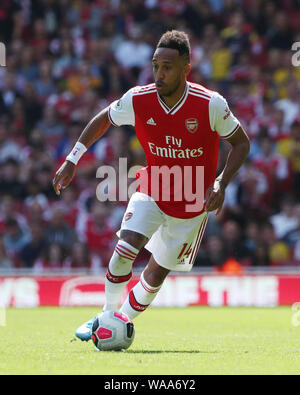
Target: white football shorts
{"points": [[173, 242]]}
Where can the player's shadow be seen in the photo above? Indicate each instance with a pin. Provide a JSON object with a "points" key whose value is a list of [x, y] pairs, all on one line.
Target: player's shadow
{"points": [[170, 352]]}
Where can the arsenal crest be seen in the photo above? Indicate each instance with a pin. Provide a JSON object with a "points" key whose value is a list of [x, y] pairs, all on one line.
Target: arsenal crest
{"points": [[191, 124]]}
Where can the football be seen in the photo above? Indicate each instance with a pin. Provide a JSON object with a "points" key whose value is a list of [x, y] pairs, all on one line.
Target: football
{"points": [[112, 330]]}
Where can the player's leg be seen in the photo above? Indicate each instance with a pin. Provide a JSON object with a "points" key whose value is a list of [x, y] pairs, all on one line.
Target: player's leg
{"points": [[144, 292], [117, 276], [141, 220], [119, 270], [173, 247]]}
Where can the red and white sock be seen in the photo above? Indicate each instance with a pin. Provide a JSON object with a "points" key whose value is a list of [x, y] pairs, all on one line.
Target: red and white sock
{"points": [[139, 298], [118, 273]]}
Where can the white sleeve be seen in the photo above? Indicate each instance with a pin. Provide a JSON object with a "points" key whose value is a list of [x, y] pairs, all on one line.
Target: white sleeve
{"points": [[221, 118], [121, 111]]}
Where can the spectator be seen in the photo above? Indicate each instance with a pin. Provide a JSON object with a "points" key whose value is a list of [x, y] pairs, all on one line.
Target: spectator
{"points": [[37, 151], [252, 235], [9, 182], [290, 149], [234, 244], [66, 62], [33, 250], [8, 148], [39, 40], [280, 36], [133, 52], [220, 61], [37, 208], [28, 68], [9, 91], [15, 239], [81, 258], [19, 120], [292, 237], [43, 177], [50, 125], [112, 147], [52, 258], [32, 108], [58, 231], [279, 252], [253, 187], [296, 255], [214, 255], [274, 167], [83, 79], [284, 221], [10, 209], [289, 104], [260, 256], [95, 231], [10, 11], [69, 205], [71, 136], [236, 35], [44, 84], [5, 261]]}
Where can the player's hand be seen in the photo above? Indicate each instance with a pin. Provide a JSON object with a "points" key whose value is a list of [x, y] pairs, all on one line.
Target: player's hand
{"points": [[63, 176], [214, 197]]}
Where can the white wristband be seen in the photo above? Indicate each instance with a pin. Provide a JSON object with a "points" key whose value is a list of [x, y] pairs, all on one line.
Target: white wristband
{"points": [[76, 153]]}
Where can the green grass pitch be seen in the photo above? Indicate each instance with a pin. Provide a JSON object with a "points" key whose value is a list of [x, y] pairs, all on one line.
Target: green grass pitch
{"points": [[187, 341]]}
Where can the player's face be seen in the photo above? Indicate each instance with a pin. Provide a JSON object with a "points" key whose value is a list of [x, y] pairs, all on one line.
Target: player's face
{"points": [[170, 70]]}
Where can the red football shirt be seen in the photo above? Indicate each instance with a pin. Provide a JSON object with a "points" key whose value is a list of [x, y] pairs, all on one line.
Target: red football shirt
{"points": [[181, 143]]}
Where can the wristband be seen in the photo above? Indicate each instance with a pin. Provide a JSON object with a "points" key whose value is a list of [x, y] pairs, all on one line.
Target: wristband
{"points": [[76, 153]]}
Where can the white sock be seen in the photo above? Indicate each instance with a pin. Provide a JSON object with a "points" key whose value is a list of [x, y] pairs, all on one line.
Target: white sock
{"points": [[118, 273], [139, 298]]}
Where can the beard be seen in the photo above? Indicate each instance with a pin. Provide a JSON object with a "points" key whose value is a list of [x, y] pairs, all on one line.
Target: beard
{"points": [[170, 91]]}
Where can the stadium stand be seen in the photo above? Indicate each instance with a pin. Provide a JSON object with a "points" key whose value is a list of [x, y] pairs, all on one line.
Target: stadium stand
{"points": [[66, 60]]}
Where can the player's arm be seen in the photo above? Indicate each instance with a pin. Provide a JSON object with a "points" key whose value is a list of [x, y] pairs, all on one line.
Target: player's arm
{"points": [[228, 127], [118, 113], [240, 147], [95, 128], [91, 133]]}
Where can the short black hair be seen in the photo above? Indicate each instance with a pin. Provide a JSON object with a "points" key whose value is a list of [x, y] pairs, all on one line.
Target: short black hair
{"points": [[176, 39]]}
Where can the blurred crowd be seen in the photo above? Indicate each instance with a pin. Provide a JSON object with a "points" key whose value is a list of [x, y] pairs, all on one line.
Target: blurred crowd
{"points": [[66, 60]]}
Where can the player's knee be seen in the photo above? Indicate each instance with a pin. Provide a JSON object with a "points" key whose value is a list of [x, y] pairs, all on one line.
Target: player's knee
{"points": [[135, 239]]}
